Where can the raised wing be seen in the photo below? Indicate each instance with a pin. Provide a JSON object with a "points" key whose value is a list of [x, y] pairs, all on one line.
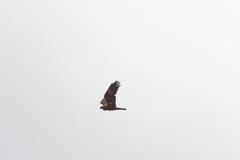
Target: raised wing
{"points": [[109, 96]]}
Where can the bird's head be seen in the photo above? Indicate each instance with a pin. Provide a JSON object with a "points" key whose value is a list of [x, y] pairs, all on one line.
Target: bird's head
{"points": [[103, 108]]}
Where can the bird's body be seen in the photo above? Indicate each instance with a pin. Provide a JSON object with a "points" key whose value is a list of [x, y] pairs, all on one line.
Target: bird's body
{"points": [[109, 100]]}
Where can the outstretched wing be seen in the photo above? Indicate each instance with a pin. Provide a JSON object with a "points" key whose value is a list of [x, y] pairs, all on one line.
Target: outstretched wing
{"points": [[109, 96]]}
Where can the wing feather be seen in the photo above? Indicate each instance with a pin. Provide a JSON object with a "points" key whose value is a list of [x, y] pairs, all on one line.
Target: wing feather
{"points": [[109, 96]]}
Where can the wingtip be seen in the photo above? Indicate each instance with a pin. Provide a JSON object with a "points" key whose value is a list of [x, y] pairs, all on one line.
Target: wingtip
{"points": [[117, 83]]}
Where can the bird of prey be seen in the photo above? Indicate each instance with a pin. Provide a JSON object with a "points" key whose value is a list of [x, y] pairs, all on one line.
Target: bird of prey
{"points": [[109, 100]]}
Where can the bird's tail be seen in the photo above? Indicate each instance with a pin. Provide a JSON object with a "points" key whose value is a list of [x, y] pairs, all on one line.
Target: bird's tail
{"points": [[121, 108]]}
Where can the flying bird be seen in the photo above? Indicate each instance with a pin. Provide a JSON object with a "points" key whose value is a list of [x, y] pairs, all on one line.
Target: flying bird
{"points": [[109, 100]]}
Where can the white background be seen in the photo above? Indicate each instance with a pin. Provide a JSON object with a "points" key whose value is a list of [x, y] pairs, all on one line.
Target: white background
{"points": [[177, 61]]}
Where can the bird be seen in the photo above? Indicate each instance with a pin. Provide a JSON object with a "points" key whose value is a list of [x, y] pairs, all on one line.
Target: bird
{"points": [[109, 100]]}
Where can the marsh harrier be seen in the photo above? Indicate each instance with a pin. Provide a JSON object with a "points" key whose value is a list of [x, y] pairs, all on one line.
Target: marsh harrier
{"points": [[109, 100]]}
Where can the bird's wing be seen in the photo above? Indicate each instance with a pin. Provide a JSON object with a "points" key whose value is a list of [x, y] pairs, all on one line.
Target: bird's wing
{"points": [[109, 96]]}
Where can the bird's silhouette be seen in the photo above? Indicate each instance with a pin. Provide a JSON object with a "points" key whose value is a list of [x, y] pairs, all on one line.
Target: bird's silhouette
{"points": [[109, 100]]}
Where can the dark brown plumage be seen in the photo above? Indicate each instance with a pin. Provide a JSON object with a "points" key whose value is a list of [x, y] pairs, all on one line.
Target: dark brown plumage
{"points": [[109, 100]]}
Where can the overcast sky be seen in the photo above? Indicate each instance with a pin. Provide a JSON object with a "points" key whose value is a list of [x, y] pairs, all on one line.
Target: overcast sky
{"points": [[178, 63]]}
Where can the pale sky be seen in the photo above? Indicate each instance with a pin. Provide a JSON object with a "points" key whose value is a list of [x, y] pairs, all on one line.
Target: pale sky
{"points": [[178, 63]]}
